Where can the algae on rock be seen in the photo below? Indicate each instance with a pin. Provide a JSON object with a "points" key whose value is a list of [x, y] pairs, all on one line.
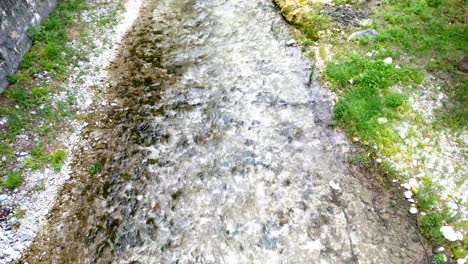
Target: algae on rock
{"points": [[304, 15]]}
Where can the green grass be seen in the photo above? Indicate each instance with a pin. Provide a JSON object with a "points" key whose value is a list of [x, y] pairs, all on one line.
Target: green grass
{"points": [[94, 169], [438, 259], [420, 35], [363, 85], [56, 159], [427, 194], [13, 179], [435, 28], [430, 225], [50, 51]]}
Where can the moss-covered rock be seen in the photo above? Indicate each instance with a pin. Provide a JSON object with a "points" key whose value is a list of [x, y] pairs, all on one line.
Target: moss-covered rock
{"points": [[305, 15]]}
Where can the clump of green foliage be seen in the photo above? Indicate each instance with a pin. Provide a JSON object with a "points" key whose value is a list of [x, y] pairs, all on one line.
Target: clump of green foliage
{"points": [[94, 169], [435, 33], [13, 179], [57, 158], [438, 259], [430, 225], [365, 97], [427, 194], [49, 49], [26, 102]]}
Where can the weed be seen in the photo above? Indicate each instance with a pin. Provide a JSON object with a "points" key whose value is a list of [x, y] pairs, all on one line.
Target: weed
{"points": [[39, 95], [438, 259], [31, 163], [13, 179], [430, 225], [94, 169], [394, 100], [56, 159], [361, 158], [427, 194]]}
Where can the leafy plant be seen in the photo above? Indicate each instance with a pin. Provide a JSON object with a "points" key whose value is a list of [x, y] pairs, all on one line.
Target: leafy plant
{"points": [[56, 159], [13, 179], [430, 225], [438, 259]]}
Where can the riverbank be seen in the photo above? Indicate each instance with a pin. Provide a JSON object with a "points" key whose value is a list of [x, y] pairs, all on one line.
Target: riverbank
{"points": [[399, 76], [41, 111]]}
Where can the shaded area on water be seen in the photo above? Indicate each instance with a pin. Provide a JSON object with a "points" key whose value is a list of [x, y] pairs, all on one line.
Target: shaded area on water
{"points": [[214, 149]]}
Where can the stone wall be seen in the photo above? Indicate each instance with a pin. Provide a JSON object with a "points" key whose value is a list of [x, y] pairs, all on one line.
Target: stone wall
{"points": [[16, 18]]}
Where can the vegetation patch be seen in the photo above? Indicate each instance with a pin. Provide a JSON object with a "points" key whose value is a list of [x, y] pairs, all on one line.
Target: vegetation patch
{"points": [[379, 79], [27, 107], [13, 179]]}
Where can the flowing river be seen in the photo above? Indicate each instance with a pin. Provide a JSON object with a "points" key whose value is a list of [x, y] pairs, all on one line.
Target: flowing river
{"points": [[214, 148]]}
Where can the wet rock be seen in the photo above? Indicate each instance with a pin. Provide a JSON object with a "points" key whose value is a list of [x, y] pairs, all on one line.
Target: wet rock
{"points": [[363, 33], [463, 64]]}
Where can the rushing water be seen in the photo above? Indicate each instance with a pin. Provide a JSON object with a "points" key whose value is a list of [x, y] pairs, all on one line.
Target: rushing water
{"points": [[222, 154]]}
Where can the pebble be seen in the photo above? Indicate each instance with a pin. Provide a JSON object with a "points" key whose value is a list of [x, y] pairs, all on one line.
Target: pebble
{"points": [[334, 186], [397, 67], [413, 183], [291, 42], [461, 261], [3, 197], [407, 186], [413, 210], [408, 194], [388, 60], [450, 234], [382, 120], [438, 250]]}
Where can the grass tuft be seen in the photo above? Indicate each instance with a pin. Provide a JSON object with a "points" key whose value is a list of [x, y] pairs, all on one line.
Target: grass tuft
{"points": [[13, 179]]}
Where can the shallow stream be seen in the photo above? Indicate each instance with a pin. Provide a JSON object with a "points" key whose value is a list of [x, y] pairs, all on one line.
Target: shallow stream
{"points": [[214, 148]]}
